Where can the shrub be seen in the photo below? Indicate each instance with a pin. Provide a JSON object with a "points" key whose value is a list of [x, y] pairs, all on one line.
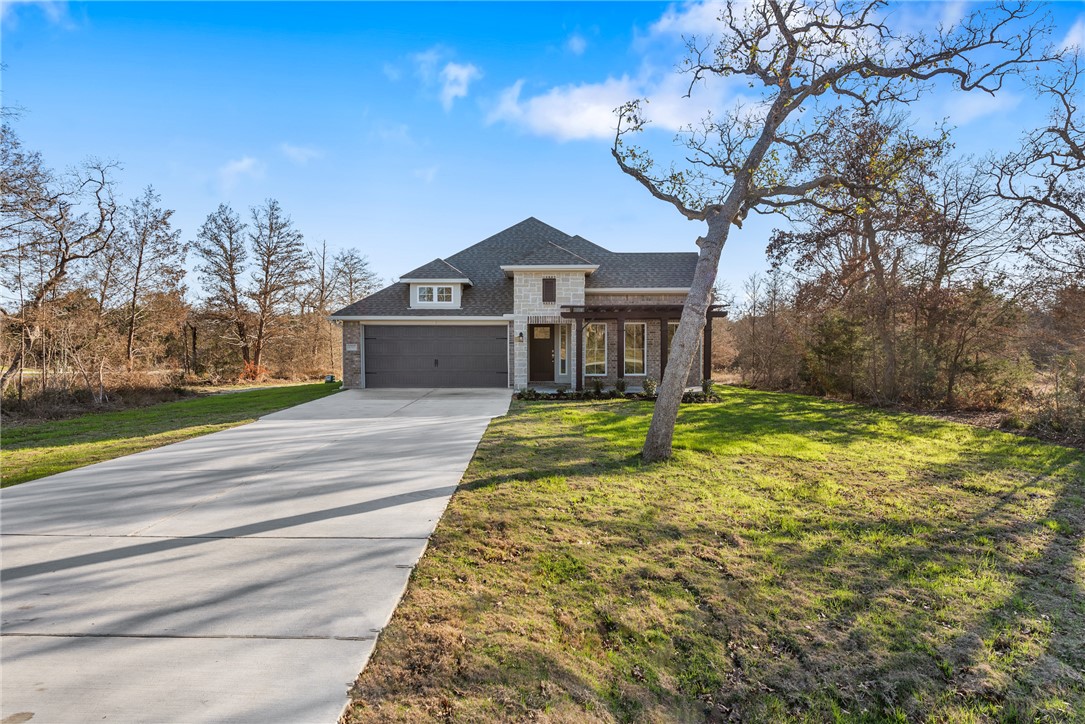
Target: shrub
{"points": [[619, 385], [650, 386]]}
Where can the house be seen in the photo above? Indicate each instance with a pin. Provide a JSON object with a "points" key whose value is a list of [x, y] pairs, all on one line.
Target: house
{"points": [[529, 306]]}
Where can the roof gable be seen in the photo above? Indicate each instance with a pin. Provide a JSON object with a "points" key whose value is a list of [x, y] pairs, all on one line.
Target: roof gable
{"points": [[436, 269]]}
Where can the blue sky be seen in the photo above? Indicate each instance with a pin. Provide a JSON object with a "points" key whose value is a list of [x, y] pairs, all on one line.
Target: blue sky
{"points": [[408, 130]]}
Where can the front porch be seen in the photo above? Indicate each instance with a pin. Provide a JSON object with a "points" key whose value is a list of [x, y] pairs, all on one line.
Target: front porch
{"points": [[608, 342]]}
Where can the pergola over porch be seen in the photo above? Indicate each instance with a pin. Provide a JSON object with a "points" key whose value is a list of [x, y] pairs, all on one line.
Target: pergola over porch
{"points": [[663, 313]]}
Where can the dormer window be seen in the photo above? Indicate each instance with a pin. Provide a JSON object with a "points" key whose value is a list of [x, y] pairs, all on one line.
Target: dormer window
{"points": [[434, 294]]}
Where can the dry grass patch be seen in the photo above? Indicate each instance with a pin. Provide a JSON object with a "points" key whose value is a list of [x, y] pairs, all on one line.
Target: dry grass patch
{"points": [[798, 560]]}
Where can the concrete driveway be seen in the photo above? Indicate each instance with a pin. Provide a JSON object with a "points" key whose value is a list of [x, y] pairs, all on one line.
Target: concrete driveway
{"points": [[238, 577]]}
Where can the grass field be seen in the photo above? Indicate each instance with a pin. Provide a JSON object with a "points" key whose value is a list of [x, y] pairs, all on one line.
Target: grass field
{"points": [[33, 451], [798, 560]]}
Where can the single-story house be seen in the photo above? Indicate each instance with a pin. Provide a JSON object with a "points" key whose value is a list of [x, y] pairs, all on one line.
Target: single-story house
{"points": [[529, 306]]}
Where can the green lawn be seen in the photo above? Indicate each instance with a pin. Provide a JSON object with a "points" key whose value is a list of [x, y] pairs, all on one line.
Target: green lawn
{"points": [[33, 451], [798, 560]]}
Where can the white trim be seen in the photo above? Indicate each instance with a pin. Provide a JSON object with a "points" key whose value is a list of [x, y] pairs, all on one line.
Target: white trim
{"points": [[412, 280], [589, 268], [424, 320], [636, 290], [606, 350], [643, 350]]}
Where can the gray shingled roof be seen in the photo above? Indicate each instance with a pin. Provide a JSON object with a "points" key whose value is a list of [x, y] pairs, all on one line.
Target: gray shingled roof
{"points": [[436, 269], [491, 293], [550, 253]]}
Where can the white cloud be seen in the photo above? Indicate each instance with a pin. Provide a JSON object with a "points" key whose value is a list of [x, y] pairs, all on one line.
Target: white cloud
{"points": [[232, 172], [576, 44], [697, 18], [394, 133], [569, 112], [1076, 37], [953, 12], [586, 110], [455, 79], [427, 175], [57, 12], [964, 108], [425, 63], [391, 72], [300, 154]]}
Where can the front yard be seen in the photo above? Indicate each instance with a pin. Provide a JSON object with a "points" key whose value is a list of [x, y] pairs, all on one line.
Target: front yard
{"points": [[798, 560]]}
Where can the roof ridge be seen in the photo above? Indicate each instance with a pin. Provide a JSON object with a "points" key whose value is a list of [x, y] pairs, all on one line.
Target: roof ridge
{"points": [[569, 251]]}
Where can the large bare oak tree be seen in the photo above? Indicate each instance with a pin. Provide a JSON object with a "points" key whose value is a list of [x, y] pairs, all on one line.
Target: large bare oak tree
{"points": [[808, 63]]}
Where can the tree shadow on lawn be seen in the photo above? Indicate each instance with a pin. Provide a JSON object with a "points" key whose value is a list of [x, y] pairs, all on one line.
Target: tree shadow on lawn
{"points": [[892, 612]]}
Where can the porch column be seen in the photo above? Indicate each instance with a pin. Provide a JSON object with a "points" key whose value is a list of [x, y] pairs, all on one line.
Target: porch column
{"points": [[578, 329], [621, 347], [706, 353], [664, 326]]}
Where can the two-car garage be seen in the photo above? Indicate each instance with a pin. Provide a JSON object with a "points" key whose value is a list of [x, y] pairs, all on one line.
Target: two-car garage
{"points": [[446, 355]]}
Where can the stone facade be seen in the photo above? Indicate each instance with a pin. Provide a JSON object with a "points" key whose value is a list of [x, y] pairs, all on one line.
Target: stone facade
{"points": [[352, 354], [528, 308]]}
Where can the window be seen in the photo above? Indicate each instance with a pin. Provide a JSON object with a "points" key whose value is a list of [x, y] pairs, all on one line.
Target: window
{"points": [[672, 328], [440, 295], [550, 291], [563, 349], [595, 349], [635, 348]]}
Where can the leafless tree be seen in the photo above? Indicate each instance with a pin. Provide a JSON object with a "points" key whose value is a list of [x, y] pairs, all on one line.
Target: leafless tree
{"points": [[825, 57], [354, 277], [152, 256], [1045, 178], [220, 245], [49, 224], [280, 267]]}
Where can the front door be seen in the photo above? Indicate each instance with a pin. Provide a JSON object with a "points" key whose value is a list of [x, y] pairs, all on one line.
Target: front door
{"points": [[540, 353]]}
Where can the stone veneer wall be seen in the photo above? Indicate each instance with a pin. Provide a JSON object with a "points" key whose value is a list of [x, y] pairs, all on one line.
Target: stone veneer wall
{"points": [[352, 361], [527, 302]]}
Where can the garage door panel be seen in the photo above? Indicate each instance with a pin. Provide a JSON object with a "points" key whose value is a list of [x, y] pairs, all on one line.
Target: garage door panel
{"points": [[436, 356]]}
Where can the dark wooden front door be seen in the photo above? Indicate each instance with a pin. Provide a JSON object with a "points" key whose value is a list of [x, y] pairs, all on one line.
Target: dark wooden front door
{"points": [[541, 352]]}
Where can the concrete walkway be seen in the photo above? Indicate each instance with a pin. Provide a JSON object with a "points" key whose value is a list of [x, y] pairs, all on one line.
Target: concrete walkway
{"points": [[237, 577]]}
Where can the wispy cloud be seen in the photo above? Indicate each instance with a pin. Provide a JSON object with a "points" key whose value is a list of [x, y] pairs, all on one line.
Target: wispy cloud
{"points": [[1076, 37], [967, 107], [57, 12], [451, 79], [391, 71], [427, 175], [586, 110], [696, 18], [231, 173], [300, 154], [455, 79], [394, 133], [576, 44]]}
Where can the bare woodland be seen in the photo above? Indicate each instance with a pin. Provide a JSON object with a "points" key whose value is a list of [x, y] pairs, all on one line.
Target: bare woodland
{"points": [[906, 273], [96, 310]]}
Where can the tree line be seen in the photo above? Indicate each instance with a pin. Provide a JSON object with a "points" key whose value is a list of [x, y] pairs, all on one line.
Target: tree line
{"points": [[945, 283], [95, 298]]}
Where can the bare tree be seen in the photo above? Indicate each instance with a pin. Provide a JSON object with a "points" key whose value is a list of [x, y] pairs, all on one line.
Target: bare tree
{"points": [[354, 278], [1045, 178], [152, 254], [822, 56], [220, 244], [49, 224], [281, 264]]}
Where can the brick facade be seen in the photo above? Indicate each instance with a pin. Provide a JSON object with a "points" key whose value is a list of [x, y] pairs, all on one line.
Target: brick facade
{"points": [[352, 354], [528, 303]]}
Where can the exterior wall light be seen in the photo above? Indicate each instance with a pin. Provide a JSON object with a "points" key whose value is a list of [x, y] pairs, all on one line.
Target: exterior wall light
{"points": [[520, 337]]}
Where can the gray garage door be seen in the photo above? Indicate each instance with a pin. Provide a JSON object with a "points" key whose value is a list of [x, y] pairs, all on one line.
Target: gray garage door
{"points": [[436, 356]]}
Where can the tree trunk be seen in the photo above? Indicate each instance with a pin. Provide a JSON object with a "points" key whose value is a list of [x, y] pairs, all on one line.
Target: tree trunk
{"points": [[657, 444]]}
